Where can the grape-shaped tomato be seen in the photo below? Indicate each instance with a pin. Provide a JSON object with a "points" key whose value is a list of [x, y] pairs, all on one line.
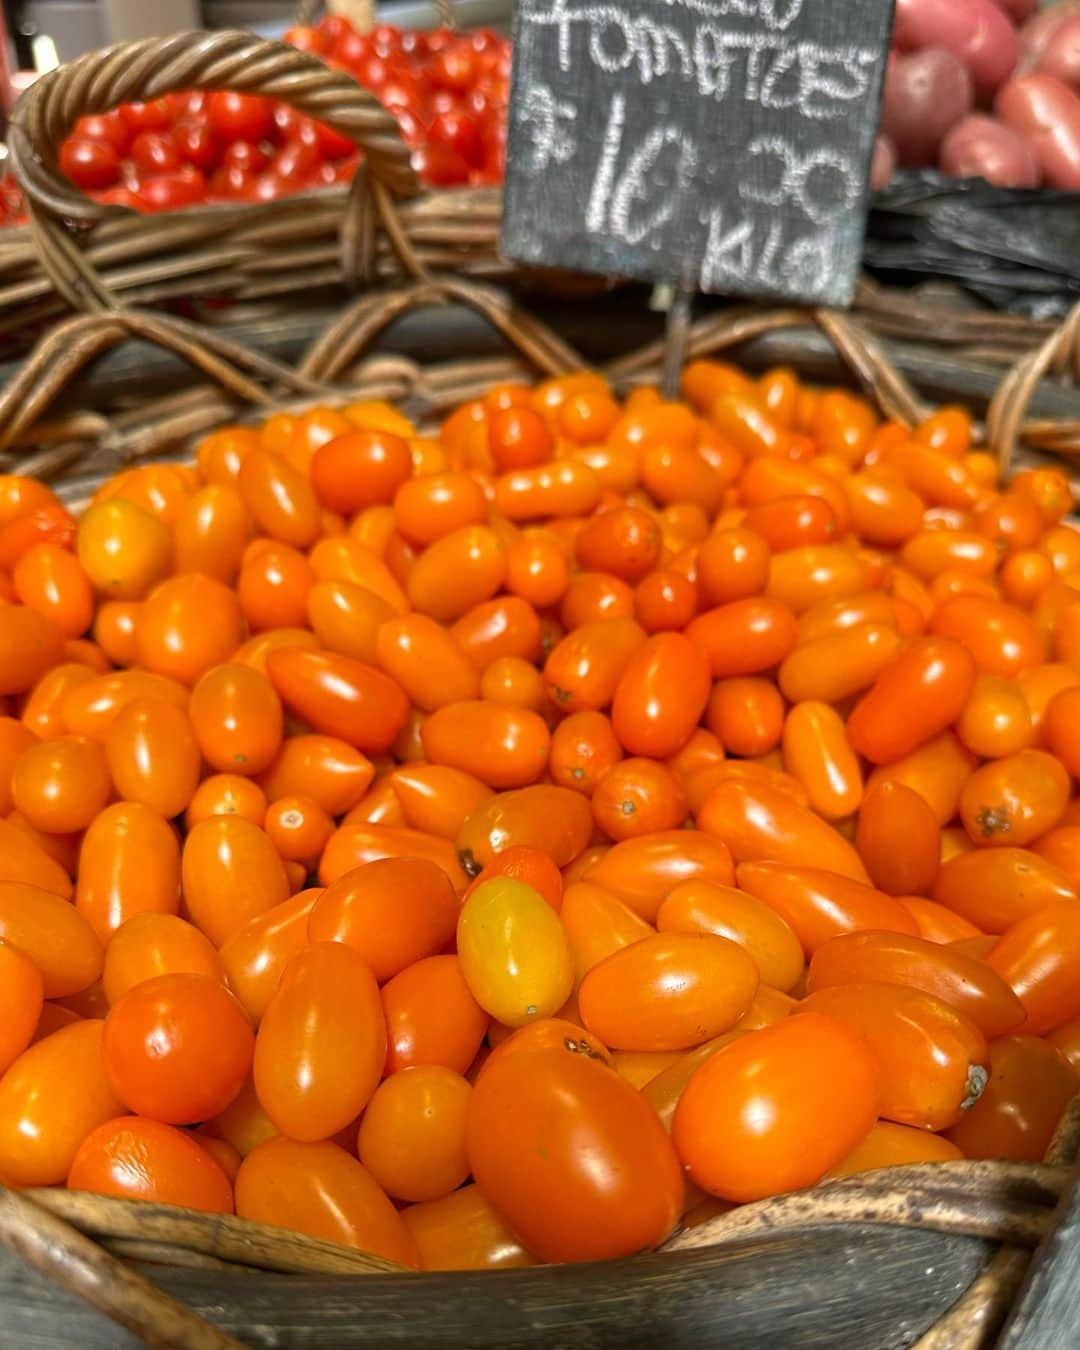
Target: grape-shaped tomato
{"points": [[143, 1159]]}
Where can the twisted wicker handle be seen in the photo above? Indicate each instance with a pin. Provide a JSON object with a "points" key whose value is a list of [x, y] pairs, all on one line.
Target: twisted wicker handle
{"points": [[152, 67]]}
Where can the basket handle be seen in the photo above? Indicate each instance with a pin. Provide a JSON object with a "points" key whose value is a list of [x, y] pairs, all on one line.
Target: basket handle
{"points": [[152, 67], [307, 10]]}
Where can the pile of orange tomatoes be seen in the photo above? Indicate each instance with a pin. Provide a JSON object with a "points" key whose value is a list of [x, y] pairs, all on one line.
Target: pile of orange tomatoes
{"points": [[507, 841]]}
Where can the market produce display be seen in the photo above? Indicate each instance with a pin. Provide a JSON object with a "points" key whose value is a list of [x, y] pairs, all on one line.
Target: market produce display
{"points": [[505, 842], [984, 88], [447, 91]]}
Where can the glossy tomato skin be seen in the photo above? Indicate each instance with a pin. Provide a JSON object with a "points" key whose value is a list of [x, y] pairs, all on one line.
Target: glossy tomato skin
{"points": [[256, 955], [340, 697], [1009, 802], [552, 820], [598, 924], [141, 1159], [53, 934], [661, 696], [757, 822], [322, 1043], [932, 1060], [412, 1135], [967, 984], [432, 1016], [319, 1189], [461, 1231], [332, 772], [898, 840], [696, 907], [237, 719], [1029, 1087], [129, 864], [514, 952], [774, 1110], [642, 871], [177, 1048], [24, 991], [153, 755], [186, 625], [994, 888], [156, 944], [668, 992], [504, 747], [229, 872], [914, 699], [51, 1097], [584, 670], [1039, 957], [392, 912], [570, 1156]]}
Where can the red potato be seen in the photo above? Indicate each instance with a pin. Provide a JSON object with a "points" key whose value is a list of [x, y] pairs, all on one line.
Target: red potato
{"points": [[976, 31], [1046, 113], [1062, 55], [883, 164], [925, 93], [982, 147], [1040, 30]]}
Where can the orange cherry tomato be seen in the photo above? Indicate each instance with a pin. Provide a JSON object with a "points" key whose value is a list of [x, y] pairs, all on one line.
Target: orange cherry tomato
{"points": [[936, 923], [319, 1189], [237, 719], [24, 859], [153, 944], [1029, 1087], [359, 468], [931, 1059], [24, 995], [330, 771], [432, 1017], [643, 871], [638, 797], [996, 720], [124, 550], [668, 992], [230, 872], [177, 1048], [624, 543], [995, 888], [898, 840], [567, 487], [298, 828], [1001, 639], [211, 532], [256, 955], [339, 696], [507, 626], [1039, 957], [321, 1045], [913, 700], [746, 714], [758, 822], [660, 696], [42, 713], [279, 497], [744, 637], [937, 771], [583, 749], [503, 746], [274, 587], [393, 912], [1011, 801], [584, 669], [592, 596], [695, 907], [817, 754], [775, 1109], [52, 581], [153, 755], [412, 1135], [892, 1145], [548, 819], [426, 661], [346, 618], [818, 904], [572, 1157], [456, 572], [352, 845], [53, 1095], [129, 865], [461, 1231], [834, 666], [145, 1160], [226, 794], [186, 625], [61, 785]]}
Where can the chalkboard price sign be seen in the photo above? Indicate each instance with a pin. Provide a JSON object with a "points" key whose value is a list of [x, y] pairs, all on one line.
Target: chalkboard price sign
{"points": [[719, 145]]}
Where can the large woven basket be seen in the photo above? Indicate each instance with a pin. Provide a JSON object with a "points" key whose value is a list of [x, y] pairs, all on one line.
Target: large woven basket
{"points": [[931, 1256]]}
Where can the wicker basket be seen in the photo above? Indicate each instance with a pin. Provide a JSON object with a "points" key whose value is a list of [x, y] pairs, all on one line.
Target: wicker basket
{"points": [[875, 1261], [894, 1258]]}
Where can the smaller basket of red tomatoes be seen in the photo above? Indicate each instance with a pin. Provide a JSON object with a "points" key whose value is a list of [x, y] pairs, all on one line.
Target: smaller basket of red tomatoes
{"points": [[225, 166]]}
